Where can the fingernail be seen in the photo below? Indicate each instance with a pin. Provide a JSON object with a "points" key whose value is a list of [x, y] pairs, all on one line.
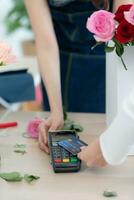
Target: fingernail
{"points": [[82, 147], [47, 151]]}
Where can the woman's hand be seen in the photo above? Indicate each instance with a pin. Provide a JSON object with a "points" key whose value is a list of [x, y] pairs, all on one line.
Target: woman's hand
{"points": [[92, 155], [54, 122], [49, 63]]}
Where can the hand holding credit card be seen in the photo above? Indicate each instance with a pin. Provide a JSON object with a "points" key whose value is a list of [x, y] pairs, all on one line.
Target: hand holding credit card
{"points": [[72, 145]]}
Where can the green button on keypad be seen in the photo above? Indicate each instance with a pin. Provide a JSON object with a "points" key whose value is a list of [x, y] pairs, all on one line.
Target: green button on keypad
{"points": [[73, 160]]}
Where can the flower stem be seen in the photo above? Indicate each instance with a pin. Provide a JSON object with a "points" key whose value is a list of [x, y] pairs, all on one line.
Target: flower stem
{"points": [[66, 86], [123, 63]]}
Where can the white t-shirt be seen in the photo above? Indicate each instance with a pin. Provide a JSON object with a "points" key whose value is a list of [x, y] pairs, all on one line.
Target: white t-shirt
{"points": [[117, 140]]}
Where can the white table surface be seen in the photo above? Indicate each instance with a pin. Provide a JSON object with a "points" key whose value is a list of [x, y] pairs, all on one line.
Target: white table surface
{"points": [[88, 184]]}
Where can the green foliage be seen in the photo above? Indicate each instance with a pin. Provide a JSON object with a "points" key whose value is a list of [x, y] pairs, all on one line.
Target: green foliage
{"points": [[118, 47], [17, 177], [20, 151], [30, 178], [120, 51], [71, 125], [17, 17], [11, 177], [20, 146], [109, 49], [95, 45], [109, 194], [132, 43]]}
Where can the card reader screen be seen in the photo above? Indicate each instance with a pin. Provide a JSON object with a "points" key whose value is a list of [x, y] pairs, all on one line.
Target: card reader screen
{"points": [[59, 136]]}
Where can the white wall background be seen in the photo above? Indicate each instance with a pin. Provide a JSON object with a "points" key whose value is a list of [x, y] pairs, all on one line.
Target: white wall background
{"points": [[14, 39]]}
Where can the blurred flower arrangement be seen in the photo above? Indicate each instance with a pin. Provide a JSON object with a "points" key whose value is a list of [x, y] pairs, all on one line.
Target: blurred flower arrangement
{"points": [[6, 56], [118, 27]]}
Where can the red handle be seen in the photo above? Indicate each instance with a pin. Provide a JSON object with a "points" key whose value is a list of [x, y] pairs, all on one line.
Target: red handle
{"points": [[8, 124]]}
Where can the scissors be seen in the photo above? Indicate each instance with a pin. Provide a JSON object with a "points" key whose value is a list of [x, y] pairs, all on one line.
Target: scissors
{"points": [[8, 124]]}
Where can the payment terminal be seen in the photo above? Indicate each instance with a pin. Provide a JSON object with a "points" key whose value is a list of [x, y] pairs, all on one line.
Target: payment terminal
{"points": [[62, 160]]}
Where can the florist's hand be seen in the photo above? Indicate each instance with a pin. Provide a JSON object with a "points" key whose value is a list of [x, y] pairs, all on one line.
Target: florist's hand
{"points": [[54, 122], [92, 155]]}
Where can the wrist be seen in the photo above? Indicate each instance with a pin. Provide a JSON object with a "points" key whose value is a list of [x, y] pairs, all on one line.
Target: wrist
{"points": [[57, 112], [56, 108]]}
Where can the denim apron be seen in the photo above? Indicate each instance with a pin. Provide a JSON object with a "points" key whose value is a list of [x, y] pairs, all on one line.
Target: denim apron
{"points": [[82, 69]]}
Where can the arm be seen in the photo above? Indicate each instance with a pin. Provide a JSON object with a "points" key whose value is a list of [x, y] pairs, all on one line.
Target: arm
{"points": [[47, 50], [114, 144], [48, 57], [117, 139]]}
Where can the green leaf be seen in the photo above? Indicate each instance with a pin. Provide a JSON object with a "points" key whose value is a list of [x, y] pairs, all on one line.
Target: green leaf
{"points": [[128, 44], [109, 49], [132, 43], [65, 114], [97, 44], [123, 63], [71, 125], [77, 127], [67, 127], [11, 177], [17, 17], [30, 178], [119, 48], [20, 146], [120, 51], [20, 151], [109, 194]]}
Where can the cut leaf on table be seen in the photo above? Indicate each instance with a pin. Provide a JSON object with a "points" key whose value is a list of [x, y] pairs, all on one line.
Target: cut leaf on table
{"points": [[30, 178], [20, 151], [11, 176], [21, 146], [109, 194]]}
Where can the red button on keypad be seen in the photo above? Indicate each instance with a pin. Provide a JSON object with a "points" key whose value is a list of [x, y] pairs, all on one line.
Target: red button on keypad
{"points": [[57, 160]]}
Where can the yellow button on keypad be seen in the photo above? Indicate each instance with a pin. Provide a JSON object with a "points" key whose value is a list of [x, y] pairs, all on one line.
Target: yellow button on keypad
{"points": [[65, 160]]}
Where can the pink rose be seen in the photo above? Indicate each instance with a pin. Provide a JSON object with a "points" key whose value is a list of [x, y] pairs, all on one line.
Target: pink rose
{"points": [[6, 56], [129, 15], [32, 128], [102, 24]]}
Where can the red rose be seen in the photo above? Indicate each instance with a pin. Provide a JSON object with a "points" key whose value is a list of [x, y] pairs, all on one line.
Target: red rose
{"points": [[124, 32], [119, 15]]}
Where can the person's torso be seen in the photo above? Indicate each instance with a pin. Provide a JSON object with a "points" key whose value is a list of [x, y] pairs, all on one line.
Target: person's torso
{"points": [[59, 3], [70, 24]]}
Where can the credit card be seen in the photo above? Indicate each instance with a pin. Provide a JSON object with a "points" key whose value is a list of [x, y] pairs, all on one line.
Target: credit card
{"points": [[73, 145]]}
